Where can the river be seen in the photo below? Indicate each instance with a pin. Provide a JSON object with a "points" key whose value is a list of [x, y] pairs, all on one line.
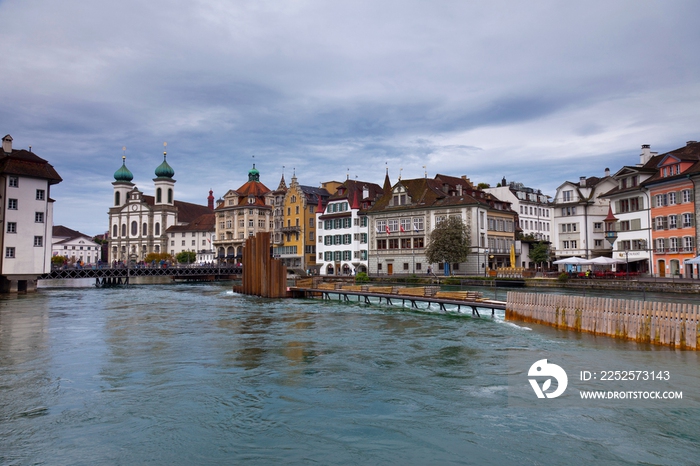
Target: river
{"points": [[195, 374]]}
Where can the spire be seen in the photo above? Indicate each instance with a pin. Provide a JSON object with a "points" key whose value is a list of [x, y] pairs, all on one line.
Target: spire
{"points": [[387, 183], [210, 199], [283, 185]]}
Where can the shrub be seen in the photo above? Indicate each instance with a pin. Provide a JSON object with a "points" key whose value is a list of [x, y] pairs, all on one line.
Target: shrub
{"points": [[563, 277], [361, 277]]}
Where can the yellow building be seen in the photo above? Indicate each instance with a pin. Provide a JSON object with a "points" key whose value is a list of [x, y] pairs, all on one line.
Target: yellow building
{"points": [[298, 249]]}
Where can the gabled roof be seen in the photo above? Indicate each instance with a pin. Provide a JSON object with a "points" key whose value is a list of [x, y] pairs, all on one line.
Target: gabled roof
{"points": [[424, 192], [186, 211], [202, 223], [59, 231], [688, 153], [24, 163]]}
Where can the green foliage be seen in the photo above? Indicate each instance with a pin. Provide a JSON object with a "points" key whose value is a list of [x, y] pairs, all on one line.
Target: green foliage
{"points": [[563, 277], [539, 253], [186, 257], [361, 277], [158, 256], [449, 242], [58, 260], [451, 281], [483, 185]]}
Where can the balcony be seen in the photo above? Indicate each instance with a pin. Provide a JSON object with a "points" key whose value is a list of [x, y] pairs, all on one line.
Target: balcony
{"points": [[291, 229]]}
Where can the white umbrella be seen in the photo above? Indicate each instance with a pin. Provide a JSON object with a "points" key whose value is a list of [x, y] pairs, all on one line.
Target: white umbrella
{"points": [[695, 260], [605, 261], [571, 261]]}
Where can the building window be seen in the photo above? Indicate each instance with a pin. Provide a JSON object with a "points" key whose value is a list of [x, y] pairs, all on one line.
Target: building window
{"points": [[394, 243], [38, 241], [39, 194], [13, 183], [567, 196], [11, 227], [12, 204], [10, 253], [38, 217], [134, 228], [381, 244], [183, 242]]}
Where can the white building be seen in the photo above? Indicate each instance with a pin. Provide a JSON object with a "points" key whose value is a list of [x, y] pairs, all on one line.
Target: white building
{"points": [[535, 215], [76, 247], [343, 229], [26, 217], [579, 213], [138, 223], [630, 203], [197, 236]]}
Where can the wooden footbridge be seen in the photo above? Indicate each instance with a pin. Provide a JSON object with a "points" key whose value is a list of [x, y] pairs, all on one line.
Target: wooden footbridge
{"points": [[116, 276], [432, 295]]}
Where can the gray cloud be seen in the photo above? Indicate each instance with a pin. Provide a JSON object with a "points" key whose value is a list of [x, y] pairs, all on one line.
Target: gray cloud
{"points": [[540, 92]]}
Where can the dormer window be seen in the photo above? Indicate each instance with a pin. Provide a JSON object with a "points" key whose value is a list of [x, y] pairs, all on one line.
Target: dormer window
{"points": [[251, 200]]}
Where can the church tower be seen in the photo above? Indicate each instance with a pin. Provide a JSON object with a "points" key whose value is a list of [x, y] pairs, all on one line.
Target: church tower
{"points": [[164, 182], [122, 184]]}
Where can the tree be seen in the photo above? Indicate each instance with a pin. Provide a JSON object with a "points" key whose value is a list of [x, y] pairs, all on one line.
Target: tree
{"points": [[158, 256], [483, 186], [58, 261], [449, 242], [186, 257], [539, 253]]}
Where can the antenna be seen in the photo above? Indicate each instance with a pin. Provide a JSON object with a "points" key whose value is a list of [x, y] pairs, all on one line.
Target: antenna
{"points": [[400, 170], [426, 171]]}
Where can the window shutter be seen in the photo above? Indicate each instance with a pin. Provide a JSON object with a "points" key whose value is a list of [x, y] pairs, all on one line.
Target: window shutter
{"points": [[665, 223], [653, 201], [636, 224]]}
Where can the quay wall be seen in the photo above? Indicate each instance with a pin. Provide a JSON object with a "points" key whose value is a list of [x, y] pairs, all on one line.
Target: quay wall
{"points": [[669, 324]]}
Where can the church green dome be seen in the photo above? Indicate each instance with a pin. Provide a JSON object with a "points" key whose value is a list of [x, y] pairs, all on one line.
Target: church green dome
{"points": [[164, 170], [123, 174], [253, 174]]}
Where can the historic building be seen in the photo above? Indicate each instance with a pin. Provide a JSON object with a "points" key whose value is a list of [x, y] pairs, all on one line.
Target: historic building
{"points": [[301, 203], [579, 213], [401, 221], [196, 236], [139, 223], [278, 212], [77, 248], [672, 193], [630, 205], [242, 213], [534, 216], [342, 245], [26, 217]]}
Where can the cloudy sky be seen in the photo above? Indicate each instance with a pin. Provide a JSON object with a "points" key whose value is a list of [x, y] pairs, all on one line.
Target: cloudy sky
{"points": [[539, 92]]}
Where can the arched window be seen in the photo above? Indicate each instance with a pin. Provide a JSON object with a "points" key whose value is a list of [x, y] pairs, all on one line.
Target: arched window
{"points": [[116, 198], [157, 229], [144, 231], [159, 196], [123, 229], [134, 228], [170, 196], [115, 231]]}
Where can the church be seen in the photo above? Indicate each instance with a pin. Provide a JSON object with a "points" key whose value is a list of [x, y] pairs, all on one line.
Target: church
{"points": [[138, 223]]}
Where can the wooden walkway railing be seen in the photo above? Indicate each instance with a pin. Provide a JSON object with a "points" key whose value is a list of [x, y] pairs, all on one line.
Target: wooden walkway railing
{"points": [[671, 324]]}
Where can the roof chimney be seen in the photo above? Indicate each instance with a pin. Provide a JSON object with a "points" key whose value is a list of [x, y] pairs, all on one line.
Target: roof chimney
{"points": [[645, 155], [7, 144], [607, 172], [690, 142], [582, 181]]}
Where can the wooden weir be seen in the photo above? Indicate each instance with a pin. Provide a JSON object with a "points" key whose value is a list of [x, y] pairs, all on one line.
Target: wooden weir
{"points": [[670, 324], [262, 275]]}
